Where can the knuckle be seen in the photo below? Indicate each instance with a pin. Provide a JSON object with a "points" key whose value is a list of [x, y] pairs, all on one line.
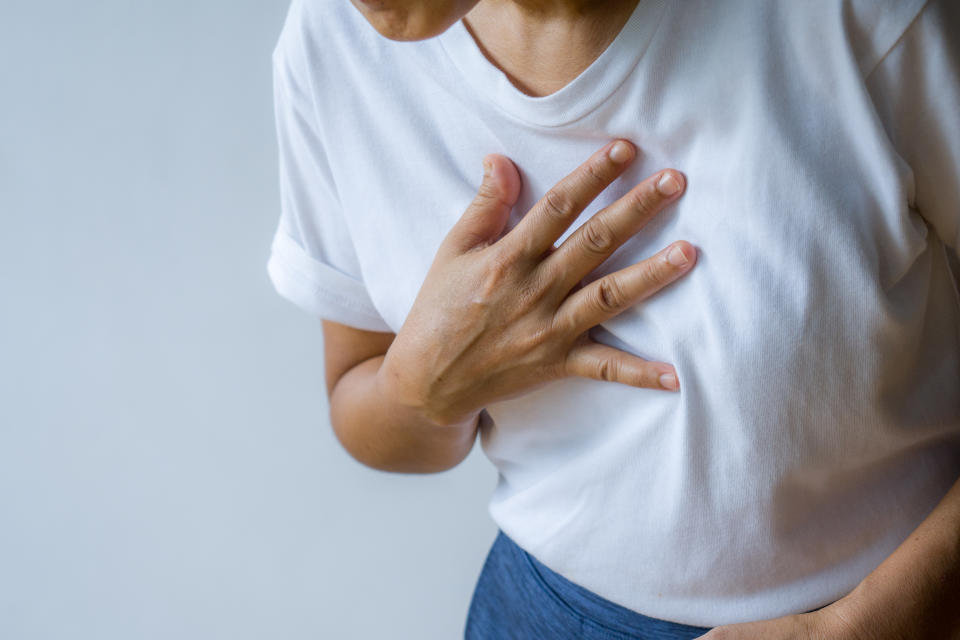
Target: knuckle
{"points": [[596, 237], [555, 369], [549, 341], [495, 273], [645, 201], [558, 368], [530, 343], [573, 320], [569, 366], [546, 280], [598, 174], [607, 369], [609, 296], [529, 295], [559, 204], [504, 278], [488, 194], [656, 273], [540, 348]]}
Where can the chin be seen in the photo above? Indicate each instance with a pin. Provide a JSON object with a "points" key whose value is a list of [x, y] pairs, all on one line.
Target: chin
{"points": [[407, 20]]}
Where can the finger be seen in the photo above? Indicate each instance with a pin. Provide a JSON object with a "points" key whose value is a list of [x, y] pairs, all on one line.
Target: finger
{"points": [[483, 221], [562, 204], [613, 293], [602, 234], [602, 362]]}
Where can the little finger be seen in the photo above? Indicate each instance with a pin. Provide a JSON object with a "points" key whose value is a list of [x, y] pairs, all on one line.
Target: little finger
{"points": [[603, 362]]}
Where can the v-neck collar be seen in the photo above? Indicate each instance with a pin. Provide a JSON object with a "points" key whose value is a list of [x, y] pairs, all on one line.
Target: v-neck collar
{"points": [[579, 97]]}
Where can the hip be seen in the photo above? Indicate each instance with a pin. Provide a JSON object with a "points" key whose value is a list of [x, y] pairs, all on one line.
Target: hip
{"points": [[517, 597]]}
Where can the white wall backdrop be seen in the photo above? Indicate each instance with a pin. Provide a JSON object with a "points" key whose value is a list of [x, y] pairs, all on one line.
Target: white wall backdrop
{"points": [[166, 465]]}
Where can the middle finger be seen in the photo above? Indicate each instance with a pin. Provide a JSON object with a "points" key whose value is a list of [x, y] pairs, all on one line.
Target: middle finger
{"points": [[587, 247]]}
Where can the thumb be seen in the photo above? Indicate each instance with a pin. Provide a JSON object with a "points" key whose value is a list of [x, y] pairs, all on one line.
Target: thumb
{"points": [[484, 220]]}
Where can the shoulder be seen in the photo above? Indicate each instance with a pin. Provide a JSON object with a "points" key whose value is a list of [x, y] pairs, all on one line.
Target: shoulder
{"points": [[325, 38], [806, 33], [864, 30], [329, 52], [875, 26]]}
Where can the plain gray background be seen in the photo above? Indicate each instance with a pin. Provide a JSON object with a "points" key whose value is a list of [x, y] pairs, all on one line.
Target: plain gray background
{"points": [[166, 465]]}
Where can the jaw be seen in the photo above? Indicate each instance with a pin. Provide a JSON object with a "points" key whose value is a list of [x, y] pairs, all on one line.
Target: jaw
{"points": [[409, 20]]}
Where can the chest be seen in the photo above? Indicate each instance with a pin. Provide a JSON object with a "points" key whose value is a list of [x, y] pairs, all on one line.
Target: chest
{"points": [[786, 188], [763, 207]]}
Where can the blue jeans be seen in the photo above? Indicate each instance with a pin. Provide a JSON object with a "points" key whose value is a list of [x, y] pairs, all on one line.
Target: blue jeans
{"points": [[518, 598]]}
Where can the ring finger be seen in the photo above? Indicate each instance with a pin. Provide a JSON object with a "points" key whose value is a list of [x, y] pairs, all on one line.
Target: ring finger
{"points": [[612, 294]]}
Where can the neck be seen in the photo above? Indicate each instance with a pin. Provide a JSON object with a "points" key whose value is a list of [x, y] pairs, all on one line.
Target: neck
{"points": [[542, 45]]}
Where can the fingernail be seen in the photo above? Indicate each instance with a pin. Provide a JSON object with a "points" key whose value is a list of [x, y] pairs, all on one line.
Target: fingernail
{"points": [[669, 382], [620, 152], [486, 169], [677, 257], [668, 184]]}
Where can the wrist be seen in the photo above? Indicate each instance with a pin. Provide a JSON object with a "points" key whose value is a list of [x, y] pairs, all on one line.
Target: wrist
{"points": [[845, 619], [397, 389]]}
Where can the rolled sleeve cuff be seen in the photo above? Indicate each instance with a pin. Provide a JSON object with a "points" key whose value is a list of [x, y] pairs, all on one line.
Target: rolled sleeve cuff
{"points": [[319, 288]]}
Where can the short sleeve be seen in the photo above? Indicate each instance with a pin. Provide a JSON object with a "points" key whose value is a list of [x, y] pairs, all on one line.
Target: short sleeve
{"points": [[312, 258], [916, 90]]}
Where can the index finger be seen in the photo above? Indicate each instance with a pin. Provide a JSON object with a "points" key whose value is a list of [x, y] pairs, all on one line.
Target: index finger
{"points": [[564, 202]]}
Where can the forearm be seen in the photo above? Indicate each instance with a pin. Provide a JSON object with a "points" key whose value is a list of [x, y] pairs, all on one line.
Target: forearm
{"points": [[383, 434], [915, 592]]}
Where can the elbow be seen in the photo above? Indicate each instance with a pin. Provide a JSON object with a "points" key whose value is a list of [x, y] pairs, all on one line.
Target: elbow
{"points": [[411, 460]]}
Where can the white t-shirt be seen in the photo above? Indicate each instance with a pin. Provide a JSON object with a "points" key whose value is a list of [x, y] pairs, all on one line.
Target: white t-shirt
{"points": [[817, 340]]}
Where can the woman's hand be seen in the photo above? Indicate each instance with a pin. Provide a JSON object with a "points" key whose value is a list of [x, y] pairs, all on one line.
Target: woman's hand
{"points": [[498, 316], [832, 622]]}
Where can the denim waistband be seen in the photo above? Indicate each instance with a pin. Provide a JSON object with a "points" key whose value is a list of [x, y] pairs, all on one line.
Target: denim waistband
{"points": [[601, 611]]}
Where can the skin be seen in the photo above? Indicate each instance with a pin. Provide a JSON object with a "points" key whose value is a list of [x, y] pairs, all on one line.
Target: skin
{"points": [[524, 321], [539, 44], [501, 314], [542, 50], [407, 20]]}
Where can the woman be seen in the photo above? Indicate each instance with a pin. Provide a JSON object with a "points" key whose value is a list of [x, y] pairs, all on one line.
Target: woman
{"points": [[767, 442]]}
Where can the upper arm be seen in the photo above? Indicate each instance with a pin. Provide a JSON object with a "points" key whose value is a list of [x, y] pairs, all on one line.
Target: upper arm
{"points": [[916, 91], [345, 347], [313, 259]]}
